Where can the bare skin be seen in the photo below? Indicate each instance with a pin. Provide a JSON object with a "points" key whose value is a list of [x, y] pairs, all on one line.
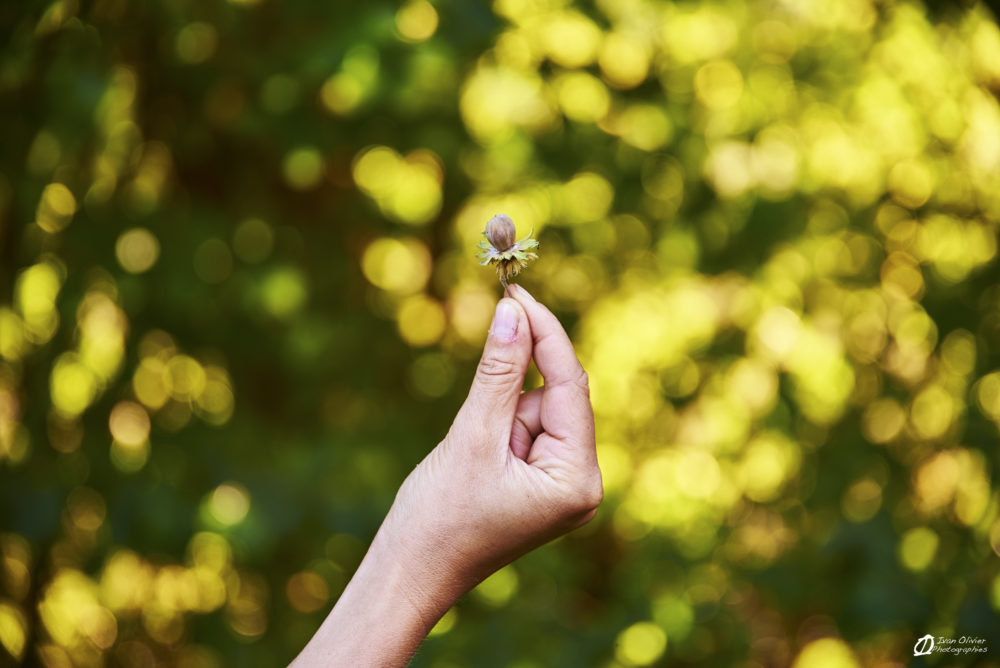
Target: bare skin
{"points": [[515, 470]]}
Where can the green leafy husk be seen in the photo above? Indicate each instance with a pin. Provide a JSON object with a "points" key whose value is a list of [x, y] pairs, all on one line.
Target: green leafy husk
{"points": [[509, 261]]}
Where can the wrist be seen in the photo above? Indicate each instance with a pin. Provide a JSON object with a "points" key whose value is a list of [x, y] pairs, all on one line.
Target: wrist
{"points": [[389, 597], [414, 576]]}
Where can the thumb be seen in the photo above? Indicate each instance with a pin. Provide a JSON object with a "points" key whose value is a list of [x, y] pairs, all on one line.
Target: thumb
{"points": [[489, 409]]}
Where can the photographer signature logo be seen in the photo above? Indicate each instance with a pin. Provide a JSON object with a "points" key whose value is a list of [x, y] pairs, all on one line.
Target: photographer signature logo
{"points": [[924, 646], [944, 645]]}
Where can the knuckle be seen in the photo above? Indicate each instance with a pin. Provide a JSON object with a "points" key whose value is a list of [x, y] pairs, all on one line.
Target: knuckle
{"points": [[588, 495], [495, 370], [584, 382], [595, 494]]}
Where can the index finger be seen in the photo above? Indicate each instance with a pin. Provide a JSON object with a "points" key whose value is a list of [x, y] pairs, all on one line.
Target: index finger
{"points": [[566, 413], [552, 350]]}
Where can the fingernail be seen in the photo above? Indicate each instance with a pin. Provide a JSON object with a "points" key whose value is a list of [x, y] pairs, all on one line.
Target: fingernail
{"points": [[504, 325], [524, 292]]}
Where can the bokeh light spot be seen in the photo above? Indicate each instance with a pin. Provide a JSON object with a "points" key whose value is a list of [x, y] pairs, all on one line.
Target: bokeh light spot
{"points": [[697, 474], [283, 292], [35, 298], [692, 36], [862, 500], [583, 97], [73, 386], [826, 653], [416, 21], [911, 183], [229, 503], [86, 509], [44, 152], [778, 330], [445, 624], [571, 39], [624, 60], [186, 377], [470, 310], [718, 84], [644, 126], [498, 589], [151, 383], [932, 412], [769, 459], [432, 375], [987, 392], [640, 644], [616, 466], [215, 402], [253, 240], [345, 90], [13, 630], [129, 458], [400, 266], [71, 611], [307, 591], [210, 551], [196, 42], [524, 103], [303, 168], [137, 250], [129, 424], [406, 189], [421, 320], [56, 208], [917, 548], [586, 197], [12, 340]]}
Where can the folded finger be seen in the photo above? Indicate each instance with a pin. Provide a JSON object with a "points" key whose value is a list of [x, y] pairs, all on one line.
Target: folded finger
{"points": [[527, 423], [552, 350], [565, 412]]}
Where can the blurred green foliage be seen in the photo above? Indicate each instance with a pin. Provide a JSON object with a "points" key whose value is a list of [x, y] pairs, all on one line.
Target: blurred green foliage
{"points": [[239, 301]]}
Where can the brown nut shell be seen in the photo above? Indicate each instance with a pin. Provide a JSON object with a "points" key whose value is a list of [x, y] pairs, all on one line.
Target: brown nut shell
{"points": [[500, 232]]}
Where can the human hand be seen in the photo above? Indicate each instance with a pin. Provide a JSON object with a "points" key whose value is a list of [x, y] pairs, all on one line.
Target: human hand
{"points": [[514, 471]]}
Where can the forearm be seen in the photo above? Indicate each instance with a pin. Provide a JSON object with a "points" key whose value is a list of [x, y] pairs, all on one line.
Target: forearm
{"points": [[515, 470], [383, 615]]}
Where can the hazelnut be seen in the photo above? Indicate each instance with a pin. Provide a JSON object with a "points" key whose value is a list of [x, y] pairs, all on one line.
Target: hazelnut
{"points": [[500, 232]]}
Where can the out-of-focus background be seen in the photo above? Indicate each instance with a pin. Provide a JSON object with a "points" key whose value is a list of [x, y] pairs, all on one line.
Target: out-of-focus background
{"points": [[239, 301]]}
